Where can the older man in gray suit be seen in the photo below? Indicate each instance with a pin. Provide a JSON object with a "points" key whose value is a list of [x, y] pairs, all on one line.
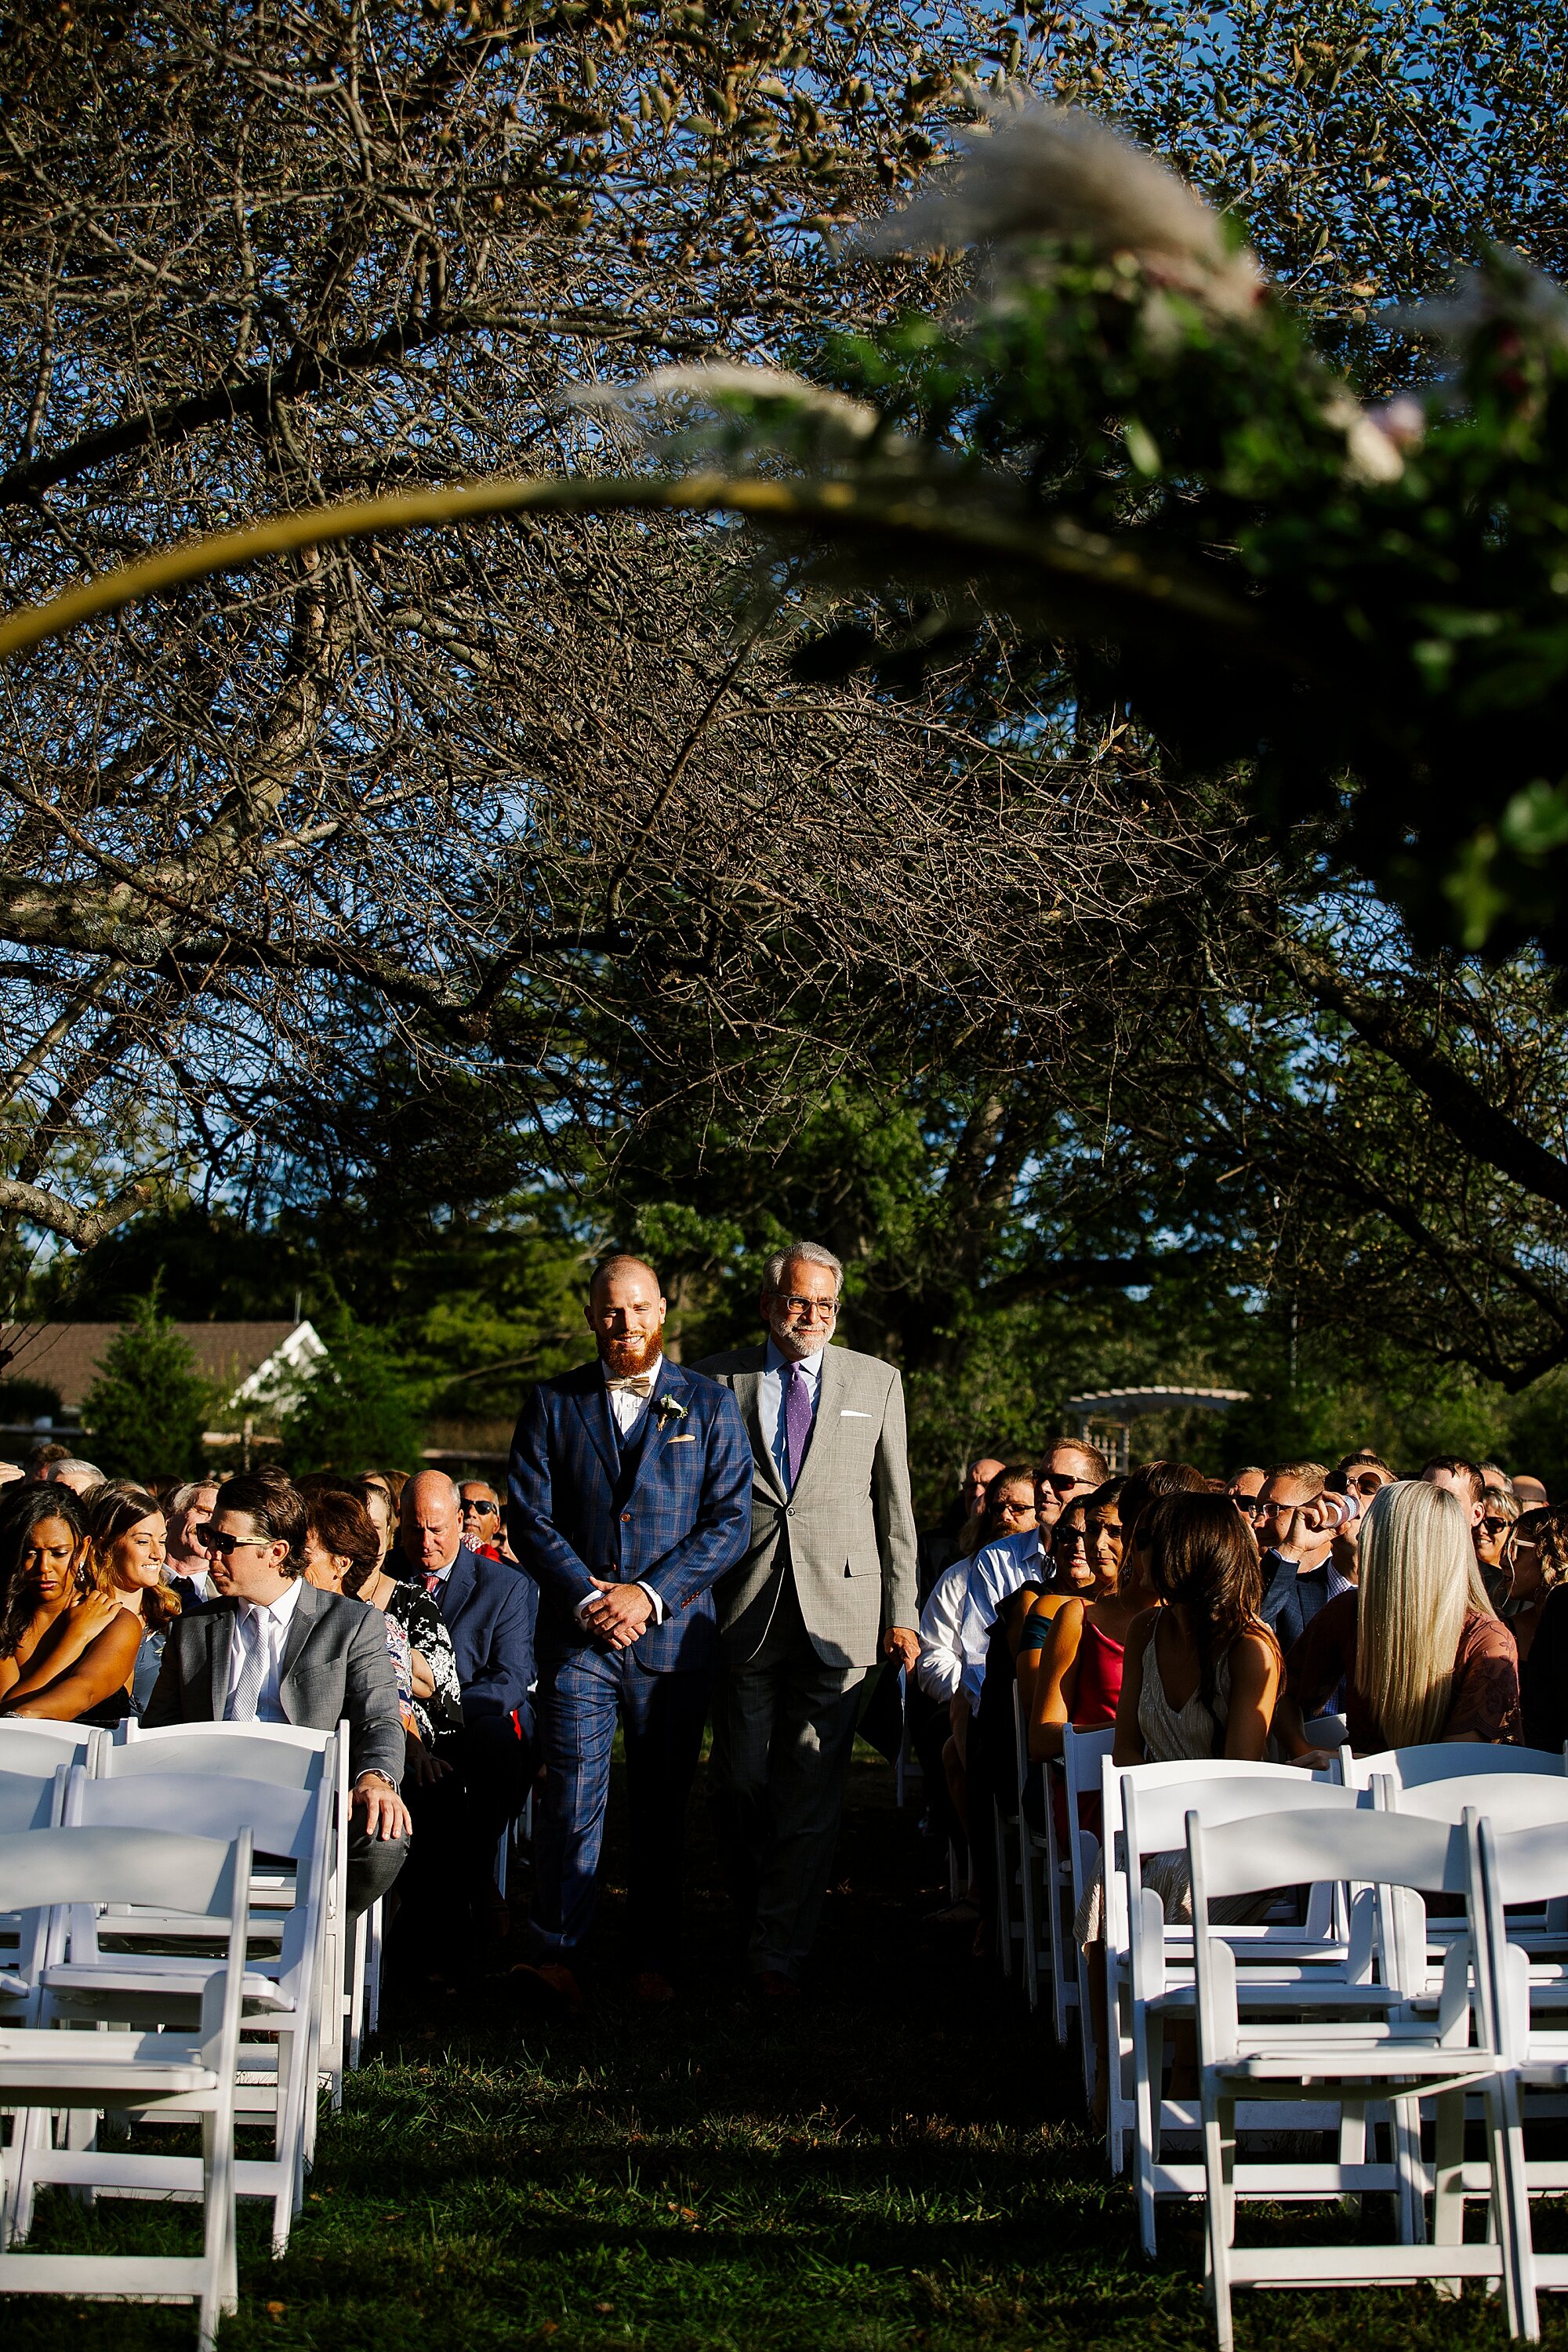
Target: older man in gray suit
{"points": [[827, 1582]]}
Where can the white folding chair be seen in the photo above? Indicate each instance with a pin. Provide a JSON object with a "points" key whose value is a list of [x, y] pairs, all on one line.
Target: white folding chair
{"points": [[266, 1751], [43, 2069], [1189, 1773], [29, 1800], [1450, 1760], [1520, 1867], [1310, 1968], [1360, 2062], [142, 1983], [1083, 1755], [30, 1745]]}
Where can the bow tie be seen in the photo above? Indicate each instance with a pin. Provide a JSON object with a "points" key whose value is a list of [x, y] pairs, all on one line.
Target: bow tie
{"points": [[638, 1384]]}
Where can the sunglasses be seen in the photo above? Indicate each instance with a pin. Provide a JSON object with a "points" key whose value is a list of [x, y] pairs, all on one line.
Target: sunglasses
{"points": [[1495, 1527], [484, 1510], [217, 1539], [1064, 1481]]}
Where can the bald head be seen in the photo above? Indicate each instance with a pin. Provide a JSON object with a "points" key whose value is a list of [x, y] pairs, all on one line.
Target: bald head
{"points": [[611, 1268], [430, 1522]]}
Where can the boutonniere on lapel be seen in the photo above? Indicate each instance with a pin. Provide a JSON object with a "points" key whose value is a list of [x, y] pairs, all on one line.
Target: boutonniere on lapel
{"points": [[670, 1410]]}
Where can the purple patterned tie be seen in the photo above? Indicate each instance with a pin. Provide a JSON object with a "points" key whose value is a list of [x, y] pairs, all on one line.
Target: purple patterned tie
{"points": [[797, 1425]]}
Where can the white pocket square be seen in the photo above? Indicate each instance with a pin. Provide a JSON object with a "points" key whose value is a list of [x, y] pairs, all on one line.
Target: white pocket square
{"points": [[847, 1412], [689, 1439]]}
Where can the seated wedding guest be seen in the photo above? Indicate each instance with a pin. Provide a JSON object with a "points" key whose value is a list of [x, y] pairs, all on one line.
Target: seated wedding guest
{"points": [[980, 1758], [128, 1531], [1462, 1479], [391, 1482], [67, 1647], [956, 1533], [1010, 1556], [342, 1554], [44, 1455], [1529, 1493], [1295, 1530], [1543, 1676], [189, 1509], [1359, 1474], [489, 1609], [1419, 1652], [1499, 1516], [1244, 1488], [1079, 1681], [1534, 1559], [275, 1649], [1007, 1528], [1032, 1609], [1199, 1678]]}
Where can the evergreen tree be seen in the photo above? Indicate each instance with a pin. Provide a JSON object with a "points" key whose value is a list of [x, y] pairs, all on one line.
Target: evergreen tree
{"points": [[358, 1412], [147, 1408]]}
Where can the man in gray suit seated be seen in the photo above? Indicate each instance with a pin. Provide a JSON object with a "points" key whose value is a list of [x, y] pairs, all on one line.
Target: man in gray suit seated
{"points": [[827, 1582], [273, 1649]]}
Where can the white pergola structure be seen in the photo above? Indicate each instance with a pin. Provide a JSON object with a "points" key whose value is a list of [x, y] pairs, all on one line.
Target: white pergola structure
{"points": [[1104, 1417]]}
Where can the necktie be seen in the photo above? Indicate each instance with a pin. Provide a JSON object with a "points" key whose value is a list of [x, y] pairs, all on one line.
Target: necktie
{"points": [[797, 1424], [247, 1690], [433, 1583], [635, 1384]]}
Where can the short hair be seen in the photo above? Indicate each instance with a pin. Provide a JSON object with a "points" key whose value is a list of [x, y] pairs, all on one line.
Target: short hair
{"points": [[1503, 1503], [1085, 1452], [614, 1261], [184, 1497], [341, 1524], [276, 1506], [64, 1462], [1311, 1474], [1248, 1470], [1456, 1467], [809, 1254]]}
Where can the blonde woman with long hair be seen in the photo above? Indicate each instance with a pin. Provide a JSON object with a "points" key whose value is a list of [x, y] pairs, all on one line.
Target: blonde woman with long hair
{"points": [[1416, 1647]]}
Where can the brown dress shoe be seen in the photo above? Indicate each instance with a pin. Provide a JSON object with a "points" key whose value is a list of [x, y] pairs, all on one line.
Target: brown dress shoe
{"points": [[772, 1984], [648, 1985], [552, 1984]]}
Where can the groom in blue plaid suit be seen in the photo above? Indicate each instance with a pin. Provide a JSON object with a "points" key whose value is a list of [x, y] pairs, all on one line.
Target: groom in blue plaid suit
{"points": [[629, 1493]]}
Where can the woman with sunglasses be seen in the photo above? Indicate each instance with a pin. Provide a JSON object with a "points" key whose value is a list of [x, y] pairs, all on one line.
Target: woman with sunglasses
{"points": [[68, 1643]]}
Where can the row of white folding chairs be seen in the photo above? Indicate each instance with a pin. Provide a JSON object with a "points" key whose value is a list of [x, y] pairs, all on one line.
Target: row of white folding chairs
{"points": [[48, 1873], [1351, 1960], [290, 1786], [1052, 1878], [116, 1967]]}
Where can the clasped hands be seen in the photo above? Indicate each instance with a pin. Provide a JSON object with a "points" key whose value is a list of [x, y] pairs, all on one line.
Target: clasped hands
{"points": [[617, 1612]]}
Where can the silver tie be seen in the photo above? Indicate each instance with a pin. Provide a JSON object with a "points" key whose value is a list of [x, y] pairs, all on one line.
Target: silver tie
{"points": [[252, 1666]]}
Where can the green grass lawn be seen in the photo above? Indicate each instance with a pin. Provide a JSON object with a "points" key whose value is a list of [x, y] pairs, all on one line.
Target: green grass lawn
{"points": [[898, 2162]]}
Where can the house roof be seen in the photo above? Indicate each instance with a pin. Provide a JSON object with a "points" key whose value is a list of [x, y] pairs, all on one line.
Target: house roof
{"points": [[244, 1358]]}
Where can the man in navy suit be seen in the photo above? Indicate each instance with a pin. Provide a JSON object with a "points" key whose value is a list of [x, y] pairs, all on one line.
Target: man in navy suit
{"points": [[631, 1494], [482, 1773]]}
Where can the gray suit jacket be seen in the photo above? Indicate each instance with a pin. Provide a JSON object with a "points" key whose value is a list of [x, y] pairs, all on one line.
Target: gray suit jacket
{"points": [[849, 1529], [335, 1663]]}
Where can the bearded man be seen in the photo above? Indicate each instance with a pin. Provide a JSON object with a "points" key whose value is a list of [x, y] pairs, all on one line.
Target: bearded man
{"points": [[630, 1494]]}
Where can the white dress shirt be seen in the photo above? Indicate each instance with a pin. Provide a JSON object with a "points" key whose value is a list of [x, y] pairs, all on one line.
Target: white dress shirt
{"points": [[776, 1370], [272, 1619], [995, 1574], [627, 1410], [956, 1622]]}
